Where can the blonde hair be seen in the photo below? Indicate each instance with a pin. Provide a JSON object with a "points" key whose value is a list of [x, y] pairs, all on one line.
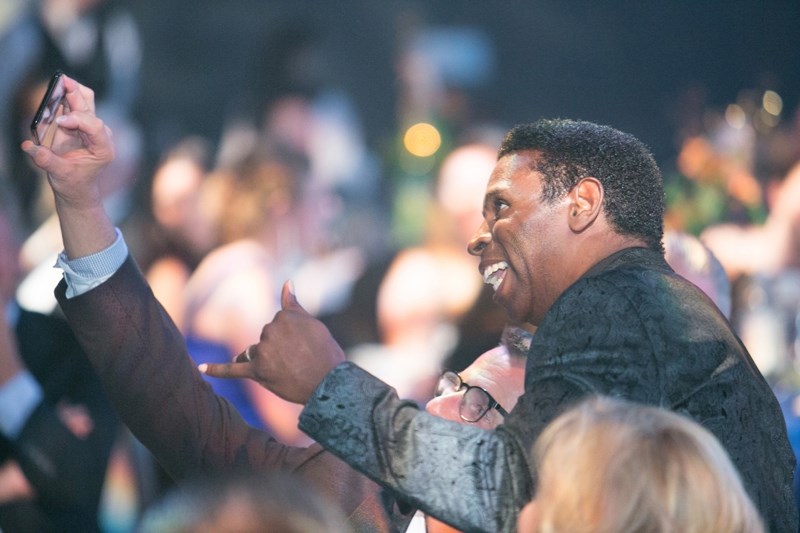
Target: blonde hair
{"points": [[609, 465]]}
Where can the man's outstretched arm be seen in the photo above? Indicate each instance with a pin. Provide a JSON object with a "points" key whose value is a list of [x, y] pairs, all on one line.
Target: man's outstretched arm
{"points": [[474, 479]]}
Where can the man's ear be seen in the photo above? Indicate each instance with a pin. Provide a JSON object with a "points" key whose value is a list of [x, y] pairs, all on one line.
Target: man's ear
{"points": [[585, 203]]}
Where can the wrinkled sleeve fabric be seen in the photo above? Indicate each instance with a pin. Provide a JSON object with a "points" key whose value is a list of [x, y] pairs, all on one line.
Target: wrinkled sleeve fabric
{"points": [[473, 479], [141, 359]]}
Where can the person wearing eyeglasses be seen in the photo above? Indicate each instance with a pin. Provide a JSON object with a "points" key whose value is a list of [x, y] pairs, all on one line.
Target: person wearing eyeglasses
{"points": [[474, 402], [487, 390], [482, 394], [571, 242]]}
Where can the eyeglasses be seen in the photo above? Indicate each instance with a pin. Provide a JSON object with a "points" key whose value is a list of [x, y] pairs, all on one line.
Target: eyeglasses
{"points": [[476, 401]]}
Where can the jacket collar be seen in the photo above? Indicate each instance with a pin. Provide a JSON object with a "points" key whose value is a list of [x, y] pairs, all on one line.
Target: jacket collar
{"points": [[635, 256]]}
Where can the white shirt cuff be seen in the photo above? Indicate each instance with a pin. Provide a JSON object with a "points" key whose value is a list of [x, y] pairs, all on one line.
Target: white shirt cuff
{"points": [[85, 273]]}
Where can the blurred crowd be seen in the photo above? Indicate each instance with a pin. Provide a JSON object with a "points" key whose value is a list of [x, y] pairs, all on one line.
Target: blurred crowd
{"points": [[373, 241]]}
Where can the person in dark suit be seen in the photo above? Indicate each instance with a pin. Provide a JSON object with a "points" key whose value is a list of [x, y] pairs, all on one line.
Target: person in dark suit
{"points": [[571, 243], [57, 427]]}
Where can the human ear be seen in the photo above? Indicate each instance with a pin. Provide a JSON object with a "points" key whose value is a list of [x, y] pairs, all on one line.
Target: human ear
{"points": [[585, 203]]}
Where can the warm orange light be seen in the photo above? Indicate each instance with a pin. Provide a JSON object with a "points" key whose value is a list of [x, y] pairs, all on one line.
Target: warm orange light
{"points": [[772, 103], [735, 116], [422, 139]]}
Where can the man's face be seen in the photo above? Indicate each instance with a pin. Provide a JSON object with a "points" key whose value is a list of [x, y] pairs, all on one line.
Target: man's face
{"points": [[500, 374], [521, 241]]}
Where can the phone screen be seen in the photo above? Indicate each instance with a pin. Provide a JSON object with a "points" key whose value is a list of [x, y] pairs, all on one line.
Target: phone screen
{"points": [[49, 109]]}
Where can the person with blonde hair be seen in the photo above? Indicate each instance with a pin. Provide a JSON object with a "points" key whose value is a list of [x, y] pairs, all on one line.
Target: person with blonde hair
{"points": [[609, 465]]}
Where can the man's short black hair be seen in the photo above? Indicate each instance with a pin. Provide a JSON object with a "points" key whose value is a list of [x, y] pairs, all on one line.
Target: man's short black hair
{"points": [[572, 149]]}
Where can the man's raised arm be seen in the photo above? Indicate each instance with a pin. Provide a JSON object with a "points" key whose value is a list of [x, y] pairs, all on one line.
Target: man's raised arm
{"points": [[81, 148]]}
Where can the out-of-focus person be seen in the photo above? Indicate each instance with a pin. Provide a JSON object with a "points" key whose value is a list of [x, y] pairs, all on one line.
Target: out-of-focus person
{"points": [[243, 502], [768, 248], [695, 262], [141, 357], [608, 465], [179, 227], [57, 426]]}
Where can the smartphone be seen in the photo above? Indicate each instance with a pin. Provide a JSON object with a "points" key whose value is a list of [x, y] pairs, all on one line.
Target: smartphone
{"points": [[49, 109]]}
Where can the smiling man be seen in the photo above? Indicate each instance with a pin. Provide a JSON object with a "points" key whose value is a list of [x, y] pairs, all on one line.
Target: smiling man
{"points": [[571, 241]]}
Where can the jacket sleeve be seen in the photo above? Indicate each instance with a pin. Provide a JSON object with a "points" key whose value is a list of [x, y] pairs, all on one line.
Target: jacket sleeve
{"points": [[473, 479], [141, 359]]}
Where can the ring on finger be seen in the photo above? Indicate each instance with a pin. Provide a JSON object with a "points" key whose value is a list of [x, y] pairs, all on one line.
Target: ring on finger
{"points": [[245, 356]]}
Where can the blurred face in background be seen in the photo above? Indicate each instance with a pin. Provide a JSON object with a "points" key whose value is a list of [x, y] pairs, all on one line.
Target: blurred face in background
{"points": [[176, 204], [461, 183]]}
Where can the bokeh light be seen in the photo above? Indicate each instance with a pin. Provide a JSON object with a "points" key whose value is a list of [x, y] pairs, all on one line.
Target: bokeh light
{"points": [[735, 116], [772, 102], [422, 139]]}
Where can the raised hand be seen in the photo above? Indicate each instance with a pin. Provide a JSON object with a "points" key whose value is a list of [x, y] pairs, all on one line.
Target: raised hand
{"points": [[82, 147], [294, 354]]}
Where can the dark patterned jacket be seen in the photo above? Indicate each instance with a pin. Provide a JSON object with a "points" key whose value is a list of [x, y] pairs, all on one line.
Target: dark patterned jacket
{"points": [[630, 328]]}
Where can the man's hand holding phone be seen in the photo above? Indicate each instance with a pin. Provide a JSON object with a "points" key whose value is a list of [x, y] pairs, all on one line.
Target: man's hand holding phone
{"points": [[80, 147], [80, 144]]}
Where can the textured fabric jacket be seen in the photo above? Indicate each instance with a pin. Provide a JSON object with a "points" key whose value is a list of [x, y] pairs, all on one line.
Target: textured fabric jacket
{"points": [[141, 359], [630, 328]]}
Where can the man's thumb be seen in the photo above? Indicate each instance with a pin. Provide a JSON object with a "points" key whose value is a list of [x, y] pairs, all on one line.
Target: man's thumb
{"points": [[288, 299]]}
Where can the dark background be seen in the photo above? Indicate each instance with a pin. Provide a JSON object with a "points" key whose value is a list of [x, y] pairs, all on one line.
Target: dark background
{"points": [[627, 63]]}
